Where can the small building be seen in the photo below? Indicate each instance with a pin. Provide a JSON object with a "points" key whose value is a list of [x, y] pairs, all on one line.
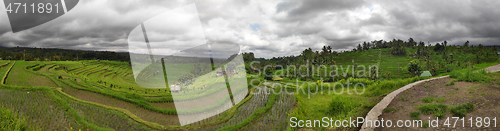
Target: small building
{"points": [[458, 47], [219, 73], [277, 78], [426, 74], [175, 88]]}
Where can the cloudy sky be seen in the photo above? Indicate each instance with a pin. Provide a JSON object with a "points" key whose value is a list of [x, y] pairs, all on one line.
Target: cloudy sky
{"points": [[268, 27]]}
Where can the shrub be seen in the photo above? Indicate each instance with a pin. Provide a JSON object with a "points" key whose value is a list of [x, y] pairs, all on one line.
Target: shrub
{"points": [[463, 109], [414, 68]]}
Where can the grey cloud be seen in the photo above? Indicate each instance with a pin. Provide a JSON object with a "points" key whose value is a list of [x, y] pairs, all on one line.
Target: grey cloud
{"points": [[447, 20], [303, 9], [375, 19], [317, 22]]}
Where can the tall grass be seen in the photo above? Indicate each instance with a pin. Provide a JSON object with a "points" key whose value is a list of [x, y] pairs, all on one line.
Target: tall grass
{"points": [[383, 87], [469, 76], [341, 105], [11, 121]]}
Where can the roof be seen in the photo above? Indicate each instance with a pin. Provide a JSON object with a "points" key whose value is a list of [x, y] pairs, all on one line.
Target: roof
{"points": [[426, 73], [276, 78]]}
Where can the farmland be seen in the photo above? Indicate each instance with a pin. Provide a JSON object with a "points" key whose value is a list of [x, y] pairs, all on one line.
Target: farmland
{"points": [[104, 95], [91, 95]]}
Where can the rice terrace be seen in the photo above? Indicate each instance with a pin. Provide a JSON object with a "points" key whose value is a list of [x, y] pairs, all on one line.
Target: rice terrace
{"points": [[249, 65], [97, 94]]}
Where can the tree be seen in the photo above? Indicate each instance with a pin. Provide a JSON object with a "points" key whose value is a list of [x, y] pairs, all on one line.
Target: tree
{"points": [[412, 42], [365, 46], [329, 48], [398, 48], [414, 68], [466, 44], [268, 75], [439, 48]]}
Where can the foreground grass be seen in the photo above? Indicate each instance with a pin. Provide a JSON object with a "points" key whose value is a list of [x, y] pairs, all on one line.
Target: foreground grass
{"points": [[344, 104], [11, 121]]}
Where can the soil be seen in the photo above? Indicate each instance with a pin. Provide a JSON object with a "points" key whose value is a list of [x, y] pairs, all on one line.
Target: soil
{"points": [[484, 96]]}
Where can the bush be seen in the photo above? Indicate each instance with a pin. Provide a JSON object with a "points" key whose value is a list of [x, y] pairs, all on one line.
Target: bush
{"points": [[414, 68], [463, 109]]}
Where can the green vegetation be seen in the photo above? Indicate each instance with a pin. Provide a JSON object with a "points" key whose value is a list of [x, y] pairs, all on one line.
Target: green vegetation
{"points": [[103, 95], [463, 109], [428, 99], [414, 68], [440, 99], [403, 99], [439, 110], [341, 105], [426, 124], [52, 54], [387, 110], [11, 121], [449, 84], [275, 118], [469, 76], [254, 115], [415, 115]]}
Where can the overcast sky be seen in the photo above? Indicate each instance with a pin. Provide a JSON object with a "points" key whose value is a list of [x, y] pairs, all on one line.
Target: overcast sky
{"points": [[270, 27]]}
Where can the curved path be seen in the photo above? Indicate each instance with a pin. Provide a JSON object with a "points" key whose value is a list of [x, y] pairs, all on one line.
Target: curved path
{"points": [[376, 111]]}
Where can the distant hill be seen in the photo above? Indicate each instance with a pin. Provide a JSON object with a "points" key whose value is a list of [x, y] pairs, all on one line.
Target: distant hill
{"points": [[56, 54]]}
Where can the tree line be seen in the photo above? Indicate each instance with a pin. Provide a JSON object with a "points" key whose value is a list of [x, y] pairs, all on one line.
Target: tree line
{"points": [[54, 54], [326, 55]]}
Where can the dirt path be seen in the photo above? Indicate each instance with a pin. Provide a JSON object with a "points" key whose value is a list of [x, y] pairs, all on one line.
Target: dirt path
{"points": [[494, 68], [484, 97], [377, 110]]}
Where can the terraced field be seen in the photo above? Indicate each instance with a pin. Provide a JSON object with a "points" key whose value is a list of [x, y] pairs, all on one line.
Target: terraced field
{"points": [[90, 95]]}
